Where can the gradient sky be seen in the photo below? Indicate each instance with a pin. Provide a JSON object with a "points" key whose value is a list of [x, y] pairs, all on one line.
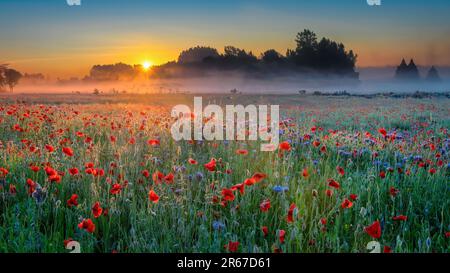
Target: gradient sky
{"points": [[51, 37]]}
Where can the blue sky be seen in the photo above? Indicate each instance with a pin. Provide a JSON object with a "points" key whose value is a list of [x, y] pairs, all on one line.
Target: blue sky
{"points": [[50, 36]]}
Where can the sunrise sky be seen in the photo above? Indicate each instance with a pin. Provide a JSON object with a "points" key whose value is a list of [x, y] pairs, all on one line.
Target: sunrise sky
{"points": [[51, 37]]}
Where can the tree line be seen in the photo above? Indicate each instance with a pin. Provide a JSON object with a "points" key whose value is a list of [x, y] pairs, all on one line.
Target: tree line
{"points": [[323, 56], [311, 55]]}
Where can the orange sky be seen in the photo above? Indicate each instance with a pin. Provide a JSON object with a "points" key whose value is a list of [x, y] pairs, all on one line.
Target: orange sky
{"points": [[55, 39]]}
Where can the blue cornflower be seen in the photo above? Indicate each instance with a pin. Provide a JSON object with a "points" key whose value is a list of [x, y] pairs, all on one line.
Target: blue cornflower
{"points": [[217, 225], [279, 188]]}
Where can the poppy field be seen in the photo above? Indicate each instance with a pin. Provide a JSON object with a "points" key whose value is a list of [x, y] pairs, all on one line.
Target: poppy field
{"points": [[350, 175]]}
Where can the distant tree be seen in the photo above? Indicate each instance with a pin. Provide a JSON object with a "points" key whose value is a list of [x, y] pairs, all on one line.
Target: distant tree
{"points": [[197, 54], [433, 75], [325, 55], [306, 51], [37, 77], [113, 72], [241, 55], [306, 40], [12, 78], [3, 68], [407, 72], [271, 56]]}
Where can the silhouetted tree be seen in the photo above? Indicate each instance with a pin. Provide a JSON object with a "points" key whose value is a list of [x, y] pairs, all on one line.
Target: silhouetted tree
{"points": [[306, 51], [433, 75], [12, 78], [271, 56], [3, 68], [197, 54], [113, 72], [407, 72], [325, 55]]}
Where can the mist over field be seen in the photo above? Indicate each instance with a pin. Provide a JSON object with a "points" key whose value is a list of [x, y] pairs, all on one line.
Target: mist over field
{"points": [[372, 80]]}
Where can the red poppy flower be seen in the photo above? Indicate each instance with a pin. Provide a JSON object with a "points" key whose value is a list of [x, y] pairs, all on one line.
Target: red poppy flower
{"points": [[305, 173], [12, 189], [34, 168], [67, 241], [387, 249], [50, 171], [432, 171], [265, 230], [154, 142], [73, 171], [290, 217], [153, 196], [324, 221], [73, 201], [400, 218], [393, 191], [316, 143], [89, 165], [97, 210], [55, 178], [340, 170], [87, 225], [249, 181], [49, 148], [346, 204], [227, 195], [67, 151], [259, 176], [239, 187], [169, 178], [116, 188], [285, 146], [31, 186], [265, 205], [333, 183], [281, 234], [329, 193], [211, 165], [353, 197], [382, 174], [3, 172], [232, 246], [146, 173], [242, 152], [382, 131], [192, 161], [447, 234], [158, 177], [374, 230]]}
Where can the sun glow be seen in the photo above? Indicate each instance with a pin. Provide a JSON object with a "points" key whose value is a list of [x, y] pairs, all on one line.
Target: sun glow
{"points": [[146, 65]]}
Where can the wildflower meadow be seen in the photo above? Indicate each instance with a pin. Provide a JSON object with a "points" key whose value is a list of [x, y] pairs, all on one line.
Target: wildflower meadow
{"points": [[350, 175]]}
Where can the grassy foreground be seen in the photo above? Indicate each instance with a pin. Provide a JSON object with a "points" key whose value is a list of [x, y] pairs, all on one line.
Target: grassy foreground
{"points": [[105, 172]]}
